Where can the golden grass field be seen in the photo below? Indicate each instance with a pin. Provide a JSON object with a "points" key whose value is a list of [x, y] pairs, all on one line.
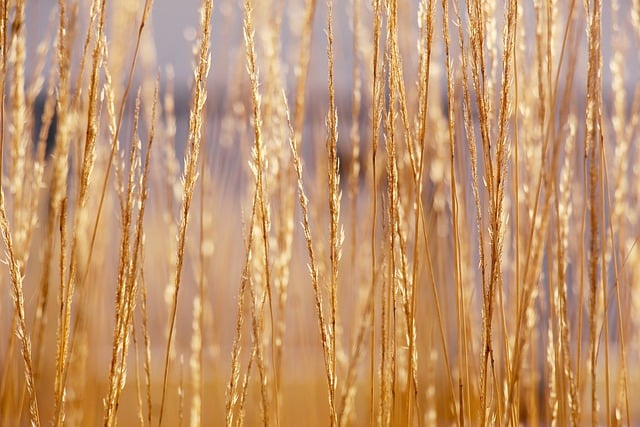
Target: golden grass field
{"points": [[437, 225]]}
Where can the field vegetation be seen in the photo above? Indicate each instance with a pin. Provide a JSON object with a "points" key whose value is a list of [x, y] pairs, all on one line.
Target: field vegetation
{"points": [[426, 217]]}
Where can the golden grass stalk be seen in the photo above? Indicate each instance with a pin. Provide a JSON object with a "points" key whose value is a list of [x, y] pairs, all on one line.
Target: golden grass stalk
{"points": [[139, 238], [313, 265], [473, 158], [565, 370], [260, 214], [232, 387], [129, 262], [279, 181], [398, 271], [593, 153], [190, 173], [236, 391], [460, 407], [236, 398], [16, 274], [336, 234], [125, 294], [88, 158], [377, 104]]}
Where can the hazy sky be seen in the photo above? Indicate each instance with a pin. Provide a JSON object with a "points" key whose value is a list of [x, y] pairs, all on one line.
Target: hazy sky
{"points": [[175, 23]]}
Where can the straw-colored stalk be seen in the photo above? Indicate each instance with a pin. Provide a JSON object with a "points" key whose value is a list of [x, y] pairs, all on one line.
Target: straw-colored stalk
{"points": [[190, 174]]}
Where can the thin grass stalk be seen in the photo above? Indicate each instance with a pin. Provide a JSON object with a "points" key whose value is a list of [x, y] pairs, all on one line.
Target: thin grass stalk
{"points": [[63, 274], [130, 263], [4, 29], [404, 285], [257, 319], [348, 389], [88, 159], [125, 297], [459, 407], [428, 21], [593, 156], [516, 169], [377, 103], [398, 90], [190, 173], [233, 394], [498, 217], [282, 193], [232, 387], [425, 24], [17, 276], [574, 381], [336, 235], [313, 264], [497, 221], [387, 313], [256, 309], [4, 25], [244, 386], [564, 208], [258, 166], [472, 145]]}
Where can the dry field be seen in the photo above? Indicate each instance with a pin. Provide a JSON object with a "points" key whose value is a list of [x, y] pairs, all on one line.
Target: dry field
{"points": [[370, 212]]}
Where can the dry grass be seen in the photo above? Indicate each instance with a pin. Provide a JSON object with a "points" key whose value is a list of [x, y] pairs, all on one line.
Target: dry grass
{"points": [[441, 230]]}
